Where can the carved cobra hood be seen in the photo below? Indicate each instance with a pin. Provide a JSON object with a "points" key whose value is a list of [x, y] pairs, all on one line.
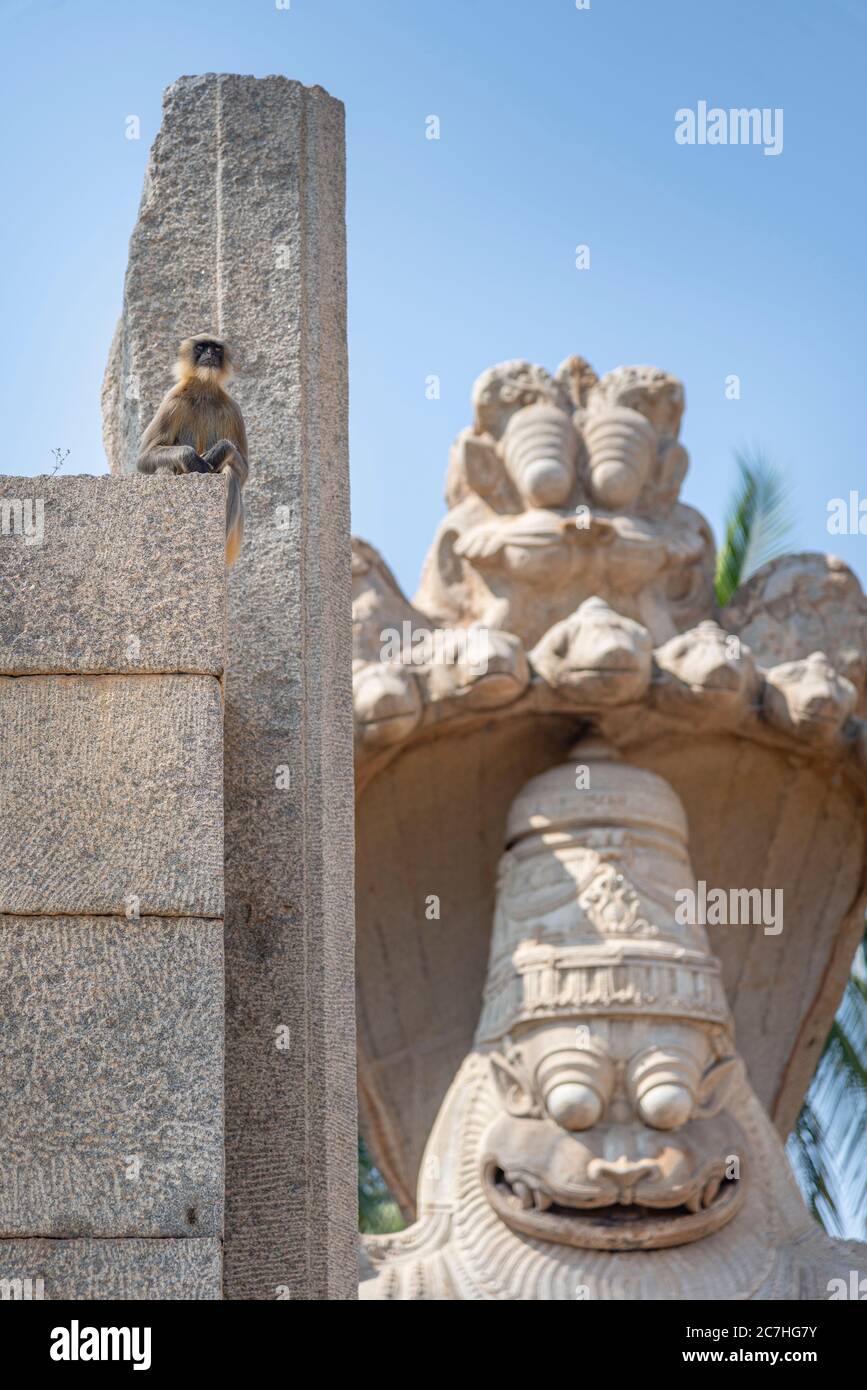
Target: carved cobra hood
{"points": [[561, 745]]}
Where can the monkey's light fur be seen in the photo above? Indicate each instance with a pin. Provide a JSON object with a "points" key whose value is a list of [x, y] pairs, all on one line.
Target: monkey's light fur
{"points": [[186, 366], [198, 428]]}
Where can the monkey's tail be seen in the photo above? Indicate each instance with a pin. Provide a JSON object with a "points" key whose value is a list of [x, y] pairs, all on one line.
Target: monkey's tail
{"points": [[234, 520]]}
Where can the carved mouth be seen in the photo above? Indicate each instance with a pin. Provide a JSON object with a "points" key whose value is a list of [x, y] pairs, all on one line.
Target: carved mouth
{"points": [[529, 1207]]}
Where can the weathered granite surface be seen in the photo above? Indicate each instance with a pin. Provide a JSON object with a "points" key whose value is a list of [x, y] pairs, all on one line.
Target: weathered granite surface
{"points": [[111, 1056], [100, 1270], [127, 577], [241, 232], [112, 645], [111, 789]]}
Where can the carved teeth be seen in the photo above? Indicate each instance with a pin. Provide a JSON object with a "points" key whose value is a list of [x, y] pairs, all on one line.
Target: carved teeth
{"points": [[524, 1195], [693, 1203], [529, 1196], [710, 1191]]}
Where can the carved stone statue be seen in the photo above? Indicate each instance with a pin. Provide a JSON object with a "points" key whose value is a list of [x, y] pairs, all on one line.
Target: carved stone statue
{"points": [[567, 488], [610, 869]]}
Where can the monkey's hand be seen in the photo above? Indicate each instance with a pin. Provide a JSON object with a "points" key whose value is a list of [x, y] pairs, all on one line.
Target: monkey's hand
{"points": [[221, 455], [171, 458], [196, 464]]}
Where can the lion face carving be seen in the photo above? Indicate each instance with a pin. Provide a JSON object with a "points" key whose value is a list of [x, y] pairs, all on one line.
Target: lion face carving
{"points": [[614, 1135]]}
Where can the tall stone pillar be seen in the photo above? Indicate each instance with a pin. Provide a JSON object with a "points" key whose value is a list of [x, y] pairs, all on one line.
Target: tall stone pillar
{"points": [[241, 232]]}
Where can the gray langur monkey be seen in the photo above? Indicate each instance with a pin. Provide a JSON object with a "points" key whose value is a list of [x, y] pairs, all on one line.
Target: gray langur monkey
{"points": [[198, 428]]}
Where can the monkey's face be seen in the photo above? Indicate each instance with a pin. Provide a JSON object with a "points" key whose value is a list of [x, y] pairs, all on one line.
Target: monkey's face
{"points": [[208, 352], [205, 357]]}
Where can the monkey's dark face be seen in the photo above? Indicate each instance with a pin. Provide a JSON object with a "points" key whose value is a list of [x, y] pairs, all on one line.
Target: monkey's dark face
{"points": [[208, 352], [205, 359]]}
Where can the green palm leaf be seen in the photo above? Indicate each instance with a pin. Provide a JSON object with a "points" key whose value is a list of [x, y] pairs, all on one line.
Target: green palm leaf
{"points": [[759, 523], [827, 1143]]}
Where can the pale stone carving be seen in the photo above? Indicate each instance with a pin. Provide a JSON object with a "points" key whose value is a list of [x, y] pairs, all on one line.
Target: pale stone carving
{"points": [[707, 672], [550, 505], [799, 604], [605, 1075], [601, 1126], [810, 698], [389, 694], [596, 656]]}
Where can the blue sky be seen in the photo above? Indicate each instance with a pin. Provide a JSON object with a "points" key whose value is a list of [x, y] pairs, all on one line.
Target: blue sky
{"points": [[557, 128]]}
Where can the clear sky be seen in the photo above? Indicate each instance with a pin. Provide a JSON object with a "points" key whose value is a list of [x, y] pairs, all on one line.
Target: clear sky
{"points": [[557, 129]]}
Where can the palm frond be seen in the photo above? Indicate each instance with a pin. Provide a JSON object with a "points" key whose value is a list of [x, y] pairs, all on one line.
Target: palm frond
{"points": [[808, 1156], [827, 1143], [759, 523]]}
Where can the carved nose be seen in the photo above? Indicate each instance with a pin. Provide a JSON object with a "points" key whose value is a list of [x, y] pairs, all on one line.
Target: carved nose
{"points": [[623, 1172]]}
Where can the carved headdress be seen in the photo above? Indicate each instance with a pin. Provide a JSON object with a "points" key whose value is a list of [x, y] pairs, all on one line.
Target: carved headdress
{"points": [[587, 920]]}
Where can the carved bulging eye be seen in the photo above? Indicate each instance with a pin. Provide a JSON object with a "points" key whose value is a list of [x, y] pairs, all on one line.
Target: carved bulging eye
{"points": [[666, 1106], [573, 1105], [664, 1086], [576, 1086]]}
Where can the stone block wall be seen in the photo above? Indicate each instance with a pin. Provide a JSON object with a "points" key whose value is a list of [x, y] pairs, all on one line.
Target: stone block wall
{"points": [[112, 650]]}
